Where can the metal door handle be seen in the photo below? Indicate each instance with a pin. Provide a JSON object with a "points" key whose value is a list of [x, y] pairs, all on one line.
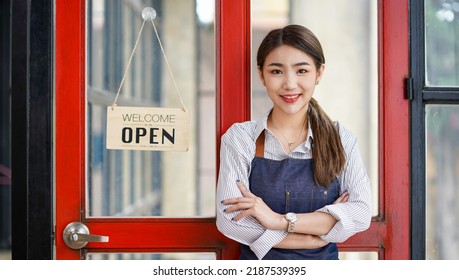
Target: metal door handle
{"points": [[76, 236]]}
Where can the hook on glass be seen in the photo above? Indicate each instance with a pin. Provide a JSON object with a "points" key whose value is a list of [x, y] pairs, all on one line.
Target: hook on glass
{"points": [[148, 13]]}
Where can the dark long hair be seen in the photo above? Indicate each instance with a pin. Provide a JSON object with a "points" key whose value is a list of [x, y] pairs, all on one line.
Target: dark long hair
{"points": [[328, 153]]}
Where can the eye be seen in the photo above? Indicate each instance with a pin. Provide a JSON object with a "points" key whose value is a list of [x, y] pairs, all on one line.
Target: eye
{"points": [[276, 72], [302, 71]]}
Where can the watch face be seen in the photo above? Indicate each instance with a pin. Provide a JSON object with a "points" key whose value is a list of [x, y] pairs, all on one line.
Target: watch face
{"points": [[290, 216]]}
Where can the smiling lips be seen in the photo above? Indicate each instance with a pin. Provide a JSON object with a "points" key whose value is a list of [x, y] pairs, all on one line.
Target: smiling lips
{"points": [[290, 98]]}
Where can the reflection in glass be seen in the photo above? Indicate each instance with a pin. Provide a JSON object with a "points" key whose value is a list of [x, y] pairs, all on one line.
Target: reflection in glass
{"points": [[143, 183], [150, 256], [442, 182], [442, 42]]}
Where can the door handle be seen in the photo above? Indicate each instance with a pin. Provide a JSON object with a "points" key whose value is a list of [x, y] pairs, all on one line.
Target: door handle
{"points": [[76, 236]]}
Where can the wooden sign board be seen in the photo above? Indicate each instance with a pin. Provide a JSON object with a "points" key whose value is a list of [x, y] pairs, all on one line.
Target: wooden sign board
{"points": [[150, 129]]}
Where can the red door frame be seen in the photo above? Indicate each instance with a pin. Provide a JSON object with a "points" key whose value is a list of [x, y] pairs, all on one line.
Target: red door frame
{"points": [[389, 232], [394, 163], [69, 118]]}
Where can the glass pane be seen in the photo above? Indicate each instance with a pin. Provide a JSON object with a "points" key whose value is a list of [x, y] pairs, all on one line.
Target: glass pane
{"points": [[442, 182], [442, 42], [145, 183], [348, 90], [358, 255], [151, 256], [5, 254]]}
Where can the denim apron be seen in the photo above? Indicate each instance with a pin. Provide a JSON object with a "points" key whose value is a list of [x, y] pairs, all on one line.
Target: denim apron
{"points": [[288, 186]]}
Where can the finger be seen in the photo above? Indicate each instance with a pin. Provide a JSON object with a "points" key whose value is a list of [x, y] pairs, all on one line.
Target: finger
{"points": [[345, 198], [241, 215], [236, 200], [338, 200], [239, 206], [241, 186], [244, 190], [342, 198]]}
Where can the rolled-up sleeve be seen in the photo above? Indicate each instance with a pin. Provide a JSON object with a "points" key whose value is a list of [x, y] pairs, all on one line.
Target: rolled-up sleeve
{"points": [[354, 215], [235, 165]]}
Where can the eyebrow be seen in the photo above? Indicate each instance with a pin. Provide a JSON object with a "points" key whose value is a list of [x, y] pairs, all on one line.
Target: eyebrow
{"points": [[295, 65]]}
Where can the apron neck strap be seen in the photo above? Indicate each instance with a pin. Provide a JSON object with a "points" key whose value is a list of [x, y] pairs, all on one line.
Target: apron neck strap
{"points": [[260, 145]]}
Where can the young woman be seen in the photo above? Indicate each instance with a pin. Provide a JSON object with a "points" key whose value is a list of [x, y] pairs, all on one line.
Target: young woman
{"points": [[291, 184]]}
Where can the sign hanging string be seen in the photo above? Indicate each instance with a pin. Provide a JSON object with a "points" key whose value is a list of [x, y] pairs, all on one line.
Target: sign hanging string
{"points": [[148, 14]]}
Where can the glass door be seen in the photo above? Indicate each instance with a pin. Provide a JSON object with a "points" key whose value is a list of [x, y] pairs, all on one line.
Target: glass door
{"points": [[135, 204]]}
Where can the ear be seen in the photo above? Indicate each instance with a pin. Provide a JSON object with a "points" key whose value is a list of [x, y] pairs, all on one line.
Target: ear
{"points": [[320, 72], [260, 75]]}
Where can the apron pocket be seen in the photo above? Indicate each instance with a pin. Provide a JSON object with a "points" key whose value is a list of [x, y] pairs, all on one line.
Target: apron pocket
{"points": [[298, 201]]}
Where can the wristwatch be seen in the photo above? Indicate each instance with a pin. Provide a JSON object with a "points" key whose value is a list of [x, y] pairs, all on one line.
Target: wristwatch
{"points": [[291, 218]]}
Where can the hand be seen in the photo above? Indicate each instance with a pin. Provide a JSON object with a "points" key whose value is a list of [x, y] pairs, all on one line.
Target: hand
{"points": [[344, 197], [301, 241], [252, 205], [314, 241]]}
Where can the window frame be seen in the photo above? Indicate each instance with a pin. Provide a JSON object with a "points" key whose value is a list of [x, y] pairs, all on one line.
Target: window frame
{"points": [[420, 95]]}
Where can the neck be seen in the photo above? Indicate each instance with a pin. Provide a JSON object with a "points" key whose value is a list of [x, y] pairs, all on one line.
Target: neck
{"points": [[284, 121], [291, 130]]}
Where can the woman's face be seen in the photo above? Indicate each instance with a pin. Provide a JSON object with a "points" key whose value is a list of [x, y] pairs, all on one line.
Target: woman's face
{"points": [[290, 76]]}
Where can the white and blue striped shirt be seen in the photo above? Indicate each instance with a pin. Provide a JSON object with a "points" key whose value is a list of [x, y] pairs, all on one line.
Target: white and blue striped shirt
{"points": [[236, 154]]}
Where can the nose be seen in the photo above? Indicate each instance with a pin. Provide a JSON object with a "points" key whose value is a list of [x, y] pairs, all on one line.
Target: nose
{"points": [[290, 80]]}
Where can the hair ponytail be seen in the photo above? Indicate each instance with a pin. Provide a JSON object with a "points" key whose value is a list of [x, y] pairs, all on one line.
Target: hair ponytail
{"points": [[327, 151]]}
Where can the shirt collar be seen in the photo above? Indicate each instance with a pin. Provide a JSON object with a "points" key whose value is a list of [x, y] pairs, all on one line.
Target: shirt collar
{"points": [[262, 124]]}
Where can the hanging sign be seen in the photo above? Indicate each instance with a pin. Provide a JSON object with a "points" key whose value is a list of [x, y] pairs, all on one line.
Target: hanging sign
{"points": [[143, 128]]}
